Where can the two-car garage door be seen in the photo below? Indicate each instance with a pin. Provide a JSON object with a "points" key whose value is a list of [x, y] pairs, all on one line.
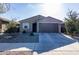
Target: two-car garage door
{"points": [[48, 27]]}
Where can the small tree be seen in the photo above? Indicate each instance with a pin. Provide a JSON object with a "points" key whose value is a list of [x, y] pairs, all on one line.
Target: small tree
{"points": [[12, 27], [4, 7], [72, 22]]}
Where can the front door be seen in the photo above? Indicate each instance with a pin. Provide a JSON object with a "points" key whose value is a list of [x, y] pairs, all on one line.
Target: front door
{"points": [[34, 27]]}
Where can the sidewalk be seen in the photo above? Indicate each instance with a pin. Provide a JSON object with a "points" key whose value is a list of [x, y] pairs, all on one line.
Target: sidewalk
{"points": [[17, 48], [72, 49]]}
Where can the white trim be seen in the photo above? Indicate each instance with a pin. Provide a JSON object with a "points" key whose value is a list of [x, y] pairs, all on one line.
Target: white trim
{"points": [[50, 22], [59, 28]]}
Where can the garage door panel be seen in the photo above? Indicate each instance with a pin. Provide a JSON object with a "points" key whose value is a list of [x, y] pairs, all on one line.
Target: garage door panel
{"points": [[48, 27]]}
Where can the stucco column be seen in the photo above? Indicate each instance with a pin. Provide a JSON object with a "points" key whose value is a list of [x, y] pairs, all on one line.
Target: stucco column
{"points": [[59, 28], [0, 26], [37, 27]]}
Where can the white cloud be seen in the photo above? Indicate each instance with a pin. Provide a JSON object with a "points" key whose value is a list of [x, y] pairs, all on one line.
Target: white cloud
{"points": [[52, 9]]}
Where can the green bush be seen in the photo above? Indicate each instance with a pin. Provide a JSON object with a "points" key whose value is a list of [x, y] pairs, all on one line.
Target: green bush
{"points": [[24, 31], [11, 30], [12, 27], [32, 34], [72, 23]]}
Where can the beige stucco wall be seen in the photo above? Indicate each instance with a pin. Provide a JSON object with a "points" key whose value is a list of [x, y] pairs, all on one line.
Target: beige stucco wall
{"points": [[3, 27], [0, 28], [38, 20]]}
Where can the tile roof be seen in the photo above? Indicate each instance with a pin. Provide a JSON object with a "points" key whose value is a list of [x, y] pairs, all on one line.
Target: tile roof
{"points": [[33, 19], [40, 18], [4, 19]]}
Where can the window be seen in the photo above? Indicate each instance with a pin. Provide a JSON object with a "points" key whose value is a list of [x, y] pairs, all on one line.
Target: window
{"points": [[25, 27]]}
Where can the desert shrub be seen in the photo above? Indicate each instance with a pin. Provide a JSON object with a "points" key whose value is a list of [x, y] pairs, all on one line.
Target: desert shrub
{"points": [[32, 34], [24, 31], [72, 23], [12, 27], [11, 30]]}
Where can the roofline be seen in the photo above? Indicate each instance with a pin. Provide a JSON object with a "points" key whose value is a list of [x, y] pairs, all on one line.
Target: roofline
{"points": [[30, 17], [4, 19], [55, 18], [40, 15]]}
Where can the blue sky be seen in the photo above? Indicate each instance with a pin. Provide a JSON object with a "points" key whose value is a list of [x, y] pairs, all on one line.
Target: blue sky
{"points": [[25, 10], [70, 6]]}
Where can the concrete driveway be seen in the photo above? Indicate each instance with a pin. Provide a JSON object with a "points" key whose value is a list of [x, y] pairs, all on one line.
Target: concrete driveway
{"points": [[49, 43], [52, 41]]}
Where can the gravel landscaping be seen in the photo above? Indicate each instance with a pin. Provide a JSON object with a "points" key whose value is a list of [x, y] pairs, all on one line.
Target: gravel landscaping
{"points": [[19, 38]]}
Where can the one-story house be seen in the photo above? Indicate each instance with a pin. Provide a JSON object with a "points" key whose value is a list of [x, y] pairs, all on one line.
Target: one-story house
{"points": [[40, 23], [3, 24]]}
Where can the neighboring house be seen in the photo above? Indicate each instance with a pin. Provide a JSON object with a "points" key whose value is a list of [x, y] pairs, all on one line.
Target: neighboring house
{"points": [[41, 24], [3, 24]]}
